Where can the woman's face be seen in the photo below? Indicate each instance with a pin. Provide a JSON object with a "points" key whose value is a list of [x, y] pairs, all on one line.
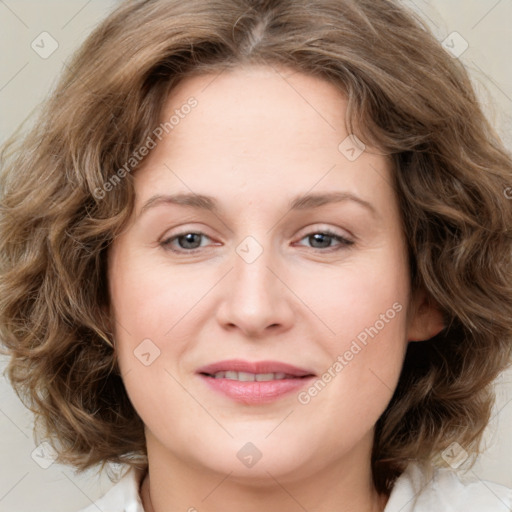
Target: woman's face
{"points": [[249, 273]]}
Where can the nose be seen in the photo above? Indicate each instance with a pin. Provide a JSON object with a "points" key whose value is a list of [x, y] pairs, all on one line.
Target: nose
{"points": [[255, 297]]}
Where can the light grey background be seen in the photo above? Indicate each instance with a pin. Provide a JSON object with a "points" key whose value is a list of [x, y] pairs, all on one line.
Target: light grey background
{"points": [[25, 80]]}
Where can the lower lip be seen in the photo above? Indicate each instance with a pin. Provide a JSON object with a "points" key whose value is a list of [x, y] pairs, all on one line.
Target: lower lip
{"points": [[256, 392]]}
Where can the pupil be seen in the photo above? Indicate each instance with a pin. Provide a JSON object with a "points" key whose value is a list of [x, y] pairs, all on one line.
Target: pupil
{"points": [[321, 237], [189, 241]]}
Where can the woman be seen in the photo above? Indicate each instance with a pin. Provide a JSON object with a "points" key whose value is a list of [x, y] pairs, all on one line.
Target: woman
{"points": [[260, 252]]}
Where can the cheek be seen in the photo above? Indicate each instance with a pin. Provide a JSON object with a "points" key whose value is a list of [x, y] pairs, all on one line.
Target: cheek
{"points": [[364, 309], [150, 300], [354, 297]]}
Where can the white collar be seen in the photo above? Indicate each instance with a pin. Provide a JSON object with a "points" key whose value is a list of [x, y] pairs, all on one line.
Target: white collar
{"points": [[431, 490], [413, 491]]}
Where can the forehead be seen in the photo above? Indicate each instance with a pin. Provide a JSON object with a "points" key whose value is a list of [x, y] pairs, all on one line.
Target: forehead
{"points": [[259, 130], [268, 105]]}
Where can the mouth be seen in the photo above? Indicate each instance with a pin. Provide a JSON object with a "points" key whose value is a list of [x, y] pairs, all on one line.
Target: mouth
{"points": [[254, 382], [252, 377]]}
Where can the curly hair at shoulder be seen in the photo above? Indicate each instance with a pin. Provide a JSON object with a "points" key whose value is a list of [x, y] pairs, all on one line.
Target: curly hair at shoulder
{"points": [[406, 96]]}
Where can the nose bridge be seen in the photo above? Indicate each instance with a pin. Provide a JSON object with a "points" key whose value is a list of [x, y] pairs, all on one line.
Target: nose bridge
{"points": [[255, 298], [253, 282], [251, 267]]}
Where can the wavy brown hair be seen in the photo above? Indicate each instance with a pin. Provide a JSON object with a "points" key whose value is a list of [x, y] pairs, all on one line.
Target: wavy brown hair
{"points": [[406, 96]]}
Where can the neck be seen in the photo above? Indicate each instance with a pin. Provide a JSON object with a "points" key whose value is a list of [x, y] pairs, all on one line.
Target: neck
{"points": [[178, 485]]}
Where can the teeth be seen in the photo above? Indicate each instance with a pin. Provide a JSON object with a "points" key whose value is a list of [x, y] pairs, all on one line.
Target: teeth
{"points": [[265, 376], [245, 377], [251, 377]]}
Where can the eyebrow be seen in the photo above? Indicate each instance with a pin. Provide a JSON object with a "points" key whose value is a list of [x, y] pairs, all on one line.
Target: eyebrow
{"points": [[209, 203]]}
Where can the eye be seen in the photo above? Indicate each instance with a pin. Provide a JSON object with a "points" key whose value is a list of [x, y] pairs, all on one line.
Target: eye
{"points": [[322, 240], [188, 241]]}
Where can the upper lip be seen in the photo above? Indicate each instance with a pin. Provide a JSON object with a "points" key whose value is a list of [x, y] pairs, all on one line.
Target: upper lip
{"points": [[238, 365]]}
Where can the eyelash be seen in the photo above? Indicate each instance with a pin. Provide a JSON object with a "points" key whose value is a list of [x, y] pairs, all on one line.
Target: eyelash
{"points": [[343, 242]]}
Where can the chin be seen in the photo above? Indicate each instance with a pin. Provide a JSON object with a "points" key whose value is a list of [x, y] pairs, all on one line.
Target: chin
{"points": [[259, 462]]}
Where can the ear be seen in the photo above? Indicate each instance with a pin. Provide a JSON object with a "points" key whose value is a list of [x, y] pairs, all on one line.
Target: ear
{"points": [[426, 319]]}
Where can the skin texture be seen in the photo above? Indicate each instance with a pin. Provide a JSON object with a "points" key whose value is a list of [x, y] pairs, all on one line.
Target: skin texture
{"points": [[258, 137]]}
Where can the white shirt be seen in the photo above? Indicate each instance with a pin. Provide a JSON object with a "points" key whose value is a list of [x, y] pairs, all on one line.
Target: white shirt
{"points": [[412, 492]]}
